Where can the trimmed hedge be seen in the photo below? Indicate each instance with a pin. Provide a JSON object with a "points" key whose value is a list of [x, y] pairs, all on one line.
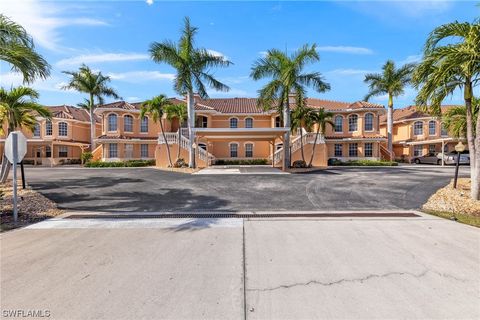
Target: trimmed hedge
{"points": [[241, 162], [365, 163], [120, 164]]}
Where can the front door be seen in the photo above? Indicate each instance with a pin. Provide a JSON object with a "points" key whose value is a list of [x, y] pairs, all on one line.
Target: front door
{"points": [[128, 151]]}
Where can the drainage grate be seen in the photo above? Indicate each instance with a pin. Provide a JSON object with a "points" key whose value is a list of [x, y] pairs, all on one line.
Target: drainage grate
{"points": [[244, 215]]}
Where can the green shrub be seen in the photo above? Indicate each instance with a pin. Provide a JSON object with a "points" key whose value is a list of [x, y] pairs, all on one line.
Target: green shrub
{"points": [[241, 162], [299, 164], [119, 164], [86, 157], [180, 163]]}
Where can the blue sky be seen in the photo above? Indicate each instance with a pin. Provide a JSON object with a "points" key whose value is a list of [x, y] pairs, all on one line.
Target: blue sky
{"points": [[353, 38]]}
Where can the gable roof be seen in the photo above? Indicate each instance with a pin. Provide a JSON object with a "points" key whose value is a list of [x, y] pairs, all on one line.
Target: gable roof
{"points": [[411, 112], [70, 113]]}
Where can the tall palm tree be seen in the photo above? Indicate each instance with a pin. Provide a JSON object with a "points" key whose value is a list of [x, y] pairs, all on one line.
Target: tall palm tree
{"points": [[155, 108], [193, 71], [321, 119], [177, 111], [455, 119], [95, 84], [451, 61], [301, 120], [18, 50], [391, 82], [18, 109], [287, 77]]}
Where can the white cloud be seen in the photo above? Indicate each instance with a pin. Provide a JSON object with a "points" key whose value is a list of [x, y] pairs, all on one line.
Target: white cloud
{"points": [[44, 20], [235, 80], [132, 99], [348, 72], [217, 54], [232, 93], [149, 2], [141, 76], [102, 57], [345, 49], [263, 54], [411, 59], [13, 79]]}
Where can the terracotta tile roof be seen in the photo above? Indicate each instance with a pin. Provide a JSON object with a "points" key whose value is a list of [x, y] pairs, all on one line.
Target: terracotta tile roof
{"points": [[364, 136], [130, 106], [119, 136], [70, 112], [410, 112]]}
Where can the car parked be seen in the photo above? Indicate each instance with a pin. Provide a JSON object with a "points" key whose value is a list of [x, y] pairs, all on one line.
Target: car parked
{"points": [[436, 158]]}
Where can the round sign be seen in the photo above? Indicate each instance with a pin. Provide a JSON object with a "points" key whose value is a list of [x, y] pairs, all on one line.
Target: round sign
{"points": [[21, 146]]}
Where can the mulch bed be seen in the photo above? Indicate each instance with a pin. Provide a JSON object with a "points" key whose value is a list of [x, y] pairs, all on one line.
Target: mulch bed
{"points": [[454, 201], [32, 207]]}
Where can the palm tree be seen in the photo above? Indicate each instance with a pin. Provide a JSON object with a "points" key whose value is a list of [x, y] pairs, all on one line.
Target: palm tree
{"points": [[177, 111], [391, 82], [18, 50], [320, 118], [301, 120], [95, 84], [287, 77], [451, 62], [455, 119], [18, 109], [193, 71], [155, 108]]}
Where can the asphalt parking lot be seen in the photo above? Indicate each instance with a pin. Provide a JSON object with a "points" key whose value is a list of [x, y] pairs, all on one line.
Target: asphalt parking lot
{"points": [[153, 190]]}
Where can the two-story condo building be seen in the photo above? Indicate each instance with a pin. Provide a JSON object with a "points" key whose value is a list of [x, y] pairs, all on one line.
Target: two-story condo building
{"points": [[60, 140], [416, 133], [236, 128]]}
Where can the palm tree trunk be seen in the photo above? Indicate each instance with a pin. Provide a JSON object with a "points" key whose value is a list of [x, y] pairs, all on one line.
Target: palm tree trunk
{"points": [[5, 163], [390, 124], [92, 124], [191, 125], [473, 141], [301, 144], [286, 142], [179, 141], [166, 143], [314, 146]]}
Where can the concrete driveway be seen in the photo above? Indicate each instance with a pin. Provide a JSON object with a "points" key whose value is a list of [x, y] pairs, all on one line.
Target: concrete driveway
{"points": [[152, 190], [337, 268]]}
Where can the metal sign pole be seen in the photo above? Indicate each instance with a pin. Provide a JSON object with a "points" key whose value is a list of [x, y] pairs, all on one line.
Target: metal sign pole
{"points": [[15, 160]]}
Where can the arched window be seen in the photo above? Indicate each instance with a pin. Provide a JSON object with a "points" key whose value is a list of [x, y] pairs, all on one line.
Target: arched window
{"points": [[432, 127], [353, 123], [144, 124], [112, 122], [62, 129], [36, 130], [248, 150], [233, 123], [233, 150], [48, 128], [248, 123], [368, 122], [278, 122], [338, 124], [418, 128], [128, 123]]}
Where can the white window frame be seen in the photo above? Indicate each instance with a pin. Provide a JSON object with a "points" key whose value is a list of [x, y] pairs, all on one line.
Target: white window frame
{"points": [[110, 149], [144, 150], [350, 117], [36, 130], [338, 147], [125, 117], [418, 127], [248, 153], [370, 149], [430, 128], [110, 124], [372, 123], [144, 125], [418, 150], [230, 145], [236, 123], [337, 117], [247, 120], [48, 128], [350, 149], [62, 131], [63, 149]]}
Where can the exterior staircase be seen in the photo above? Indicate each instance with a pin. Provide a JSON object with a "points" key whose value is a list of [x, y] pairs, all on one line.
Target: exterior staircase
{"points": [[296, 144], [386, 154], [184, 143]]}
